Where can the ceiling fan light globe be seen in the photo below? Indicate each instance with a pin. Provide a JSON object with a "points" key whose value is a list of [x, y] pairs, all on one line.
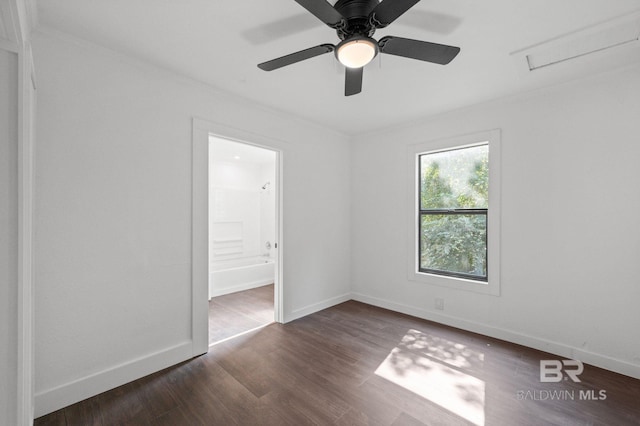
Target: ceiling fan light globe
{"points": [[356, 53]]}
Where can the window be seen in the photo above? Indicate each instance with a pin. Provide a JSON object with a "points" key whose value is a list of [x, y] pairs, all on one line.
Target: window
{"points": [[454, 199], [455, 212]]}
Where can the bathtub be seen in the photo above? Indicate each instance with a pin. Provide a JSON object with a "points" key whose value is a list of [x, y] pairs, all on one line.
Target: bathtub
{"points": [[229, 276]]}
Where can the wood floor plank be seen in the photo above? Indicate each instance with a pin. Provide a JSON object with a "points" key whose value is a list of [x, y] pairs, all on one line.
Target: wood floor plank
{"points": [[235, 313], [155, 395], [296, 409], [256, 303], [225, 323], [355, 417], [57, 418], [326, 364], [84, 413], [177, 416], [425, 410], [406, 420], [292, 374], [122, 405], [207, 409], [249, 367]]}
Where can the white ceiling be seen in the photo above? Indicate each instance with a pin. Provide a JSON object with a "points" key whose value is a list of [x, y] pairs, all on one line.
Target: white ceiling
{"points": [[220, 42], [229, 151]]}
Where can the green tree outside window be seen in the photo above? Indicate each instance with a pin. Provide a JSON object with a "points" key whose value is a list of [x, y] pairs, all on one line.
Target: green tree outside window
{"points": [[454, 200]]}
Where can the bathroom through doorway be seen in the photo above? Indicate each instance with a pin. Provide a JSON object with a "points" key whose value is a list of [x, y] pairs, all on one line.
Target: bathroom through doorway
{"points": [[243, 234]]}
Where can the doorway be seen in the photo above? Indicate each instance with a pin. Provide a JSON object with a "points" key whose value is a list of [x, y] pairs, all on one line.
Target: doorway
{"points": [[243, 238]]}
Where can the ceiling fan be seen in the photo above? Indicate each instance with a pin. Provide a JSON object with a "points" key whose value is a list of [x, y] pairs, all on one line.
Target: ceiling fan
{"points": [[355, 22]]}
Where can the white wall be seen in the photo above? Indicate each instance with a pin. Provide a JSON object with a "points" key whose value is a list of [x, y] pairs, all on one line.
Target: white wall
{"points": [[570, 233], [8, 236], [113, 214]]}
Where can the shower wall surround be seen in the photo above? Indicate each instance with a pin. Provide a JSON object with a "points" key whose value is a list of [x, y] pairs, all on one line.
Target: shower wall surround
{"points": [[242, 209]]}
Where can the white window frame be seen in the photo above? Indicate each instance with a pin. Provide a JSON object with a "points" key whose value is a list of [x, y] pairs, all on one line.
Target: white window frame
{"points": [[492, 285]]}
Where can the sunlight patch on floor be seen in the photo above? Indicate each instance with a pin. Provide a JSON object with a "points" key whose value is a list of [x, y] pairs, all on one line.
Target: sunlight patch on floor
{"points": [[239, 334], [434, 368]]}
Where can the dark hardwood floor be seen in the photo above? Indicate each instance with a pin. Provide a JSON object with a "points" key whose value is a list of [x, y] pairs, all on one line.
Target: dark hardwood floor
{"points": [[239, 312], [355, 364]]}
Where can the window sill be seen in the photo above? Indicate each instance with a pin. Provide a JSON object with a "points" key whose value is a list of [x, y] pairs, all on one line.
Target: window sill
{"points": [[483, 287]]}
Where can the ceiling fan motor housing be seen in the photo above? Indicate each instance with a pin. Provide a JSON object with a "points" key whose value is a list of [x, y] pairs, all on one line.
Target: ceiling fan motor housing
{"points": [[358, 19]]}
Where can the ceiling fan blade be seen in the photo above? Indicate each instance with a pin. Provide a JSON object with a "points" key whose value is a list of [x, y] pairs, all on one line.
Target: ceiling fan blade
{"points": [[322, 10], [353, 81], [388, 11], [296, 57], [416, 49]]}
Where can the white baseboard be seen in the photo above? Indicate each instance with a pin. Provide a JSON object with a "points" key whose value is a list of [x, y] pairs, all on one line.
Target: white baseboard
{"points": [[552, 347], [242, 287], [327, 303], [62, 396]]}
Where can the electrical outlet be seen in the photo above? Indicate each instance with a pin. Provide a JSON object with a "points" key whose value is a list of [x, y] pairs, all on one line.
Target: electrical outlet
{"points": [[439, 304]]}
